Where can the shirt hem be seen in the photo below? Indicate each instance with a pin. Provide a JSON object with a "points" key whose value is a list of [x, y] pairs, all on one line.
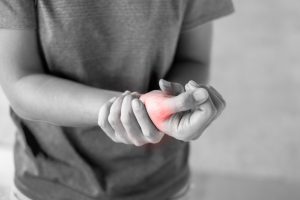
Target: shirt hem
{"points": [[207, 19], [181, 183]]}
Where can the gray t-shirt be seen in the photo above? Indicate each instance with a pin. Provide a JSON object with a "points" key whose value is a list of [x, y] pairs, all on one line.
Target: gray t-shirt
{"points": [[111, 44]]}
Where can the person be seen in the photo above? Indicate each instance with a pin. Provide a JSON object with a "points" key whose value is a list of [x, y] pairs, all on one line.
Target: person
{"points": [[64, 68]]}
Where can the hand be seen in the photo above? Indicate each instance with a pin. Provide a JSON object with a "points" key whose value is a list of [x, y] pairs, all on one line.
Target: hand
{"points": [[173, 88], [125, 120], [181, 114]]}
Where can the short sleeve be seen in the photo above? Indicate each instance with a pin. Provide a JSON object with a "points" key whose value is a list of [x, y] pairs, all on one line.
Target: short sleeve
{"points": [[17, 14], [198, 12]]}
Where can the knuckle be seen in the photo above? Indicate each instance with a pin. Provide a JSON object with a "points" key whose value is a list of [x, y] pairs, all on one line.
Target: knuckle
{"points": [[101, 113], [101, 118], [153, 137], [136, 141], [103, 124], [117, 141], [136, 144], [149, 134], [133, 140], [125, 119], [214, 111], [139, 144], [119, 138], [114, 139], [207, 113], [155, 140], [112, 121]]}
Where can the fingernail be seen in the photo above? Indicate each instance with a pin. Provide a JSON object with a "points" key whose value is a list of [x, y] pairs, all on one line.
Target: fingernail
{"points": [[200, 94], [136, 94], [126, 92], [136, 103], [166, 83], [193, 83]]}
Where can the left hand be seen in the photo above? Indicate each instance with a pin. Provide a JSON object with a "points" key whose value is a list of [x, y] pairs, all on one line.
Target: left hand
{"points": [[183, 114]]}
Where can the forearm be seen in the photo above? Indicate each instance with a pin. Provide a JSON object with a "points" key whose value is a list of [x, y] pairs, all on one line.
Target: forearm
{"points": [[183, 71], [58, 101]]}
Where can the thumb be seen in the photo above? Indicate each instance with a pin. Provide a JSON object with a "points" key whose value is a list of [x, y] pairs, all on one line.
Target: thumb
{"points": [[187, 100], [170, 88]]}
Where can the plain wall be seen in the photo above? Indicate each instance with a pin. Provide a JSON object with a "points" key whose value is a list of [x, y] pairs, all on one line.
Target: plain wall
{"points": [[256, 60]]}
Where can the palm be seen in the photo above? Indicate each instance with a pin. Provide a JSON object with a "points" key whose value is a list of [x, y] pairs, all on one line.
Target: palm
{"points": [[183, 124]]}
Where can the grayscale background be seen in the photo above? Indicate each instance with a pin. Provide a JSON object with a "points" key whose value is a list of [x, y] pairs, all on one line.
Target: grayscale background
{"points": [[253, 150]]}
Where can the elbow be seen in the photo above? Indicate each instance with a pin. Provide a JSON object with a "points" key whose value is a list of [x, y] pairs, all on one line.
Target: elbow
{"points": [[20, 101], [19, 106]]}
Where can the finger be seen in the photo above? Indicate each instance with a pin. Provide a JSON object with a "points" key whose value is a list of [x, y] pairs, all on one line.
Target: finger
{"points": [[219, 104], [194, 83], [125, 93], [103, 120], [201, 118], [115, 121], [191, 85], [130, 123], [171, 88], [151, 133], [215, 96], [186, 101], [188, 87], [213, 116], [136, 94], [217, 99]]}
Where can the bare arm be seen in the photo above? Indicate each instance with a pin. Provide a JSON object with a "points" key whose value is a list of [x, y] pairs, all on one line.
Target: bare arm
{"points": [[35, 95], [192, 58]]}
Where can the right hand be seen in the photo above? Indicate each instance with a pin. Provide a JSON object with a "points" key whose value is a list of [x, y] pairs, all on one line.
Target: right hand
{"points": [[125, 120]]}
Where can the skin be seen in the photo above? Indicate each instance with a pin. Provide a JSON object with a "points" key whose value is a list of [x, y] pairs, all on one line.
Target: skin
{"points": [[185, 115], [38, 96], [158, 107], [191, 61], [125, 122]]}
